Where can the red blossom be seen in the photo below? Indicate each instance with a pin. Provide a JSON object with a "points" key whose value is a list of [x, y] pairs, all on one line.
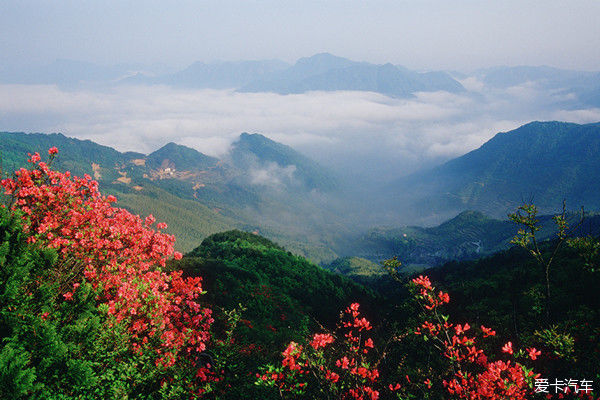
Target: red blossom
{"points": [[321, 340], [332, 376], [533, 353], [487, 331], [34, 158], [507, 348], [342, 369]]}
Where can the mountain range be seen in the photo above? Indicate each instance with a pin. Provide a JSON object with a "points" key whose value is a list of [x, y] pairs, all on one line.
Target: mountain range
{"points": [[324, 72], [327, 72], [470, 235], [269, 188], [217, 75]]}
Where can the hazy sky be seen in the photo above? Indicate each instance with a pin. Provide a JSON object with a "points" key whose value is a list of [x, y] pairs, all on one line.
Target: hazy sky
{"points": [[421, 34], [361, 132]]}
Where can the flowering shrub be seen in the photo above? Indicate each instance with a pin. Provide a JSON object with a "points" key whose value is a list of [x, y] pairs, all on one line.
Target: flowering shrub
{"points": [[120, 256], [329, 366], [473, 375]]}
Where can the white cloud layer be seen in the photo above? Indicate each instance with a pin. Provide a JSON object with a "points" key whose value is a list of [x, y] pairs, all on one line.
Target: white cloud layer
{"points": [[357, 130], [272, 175]]}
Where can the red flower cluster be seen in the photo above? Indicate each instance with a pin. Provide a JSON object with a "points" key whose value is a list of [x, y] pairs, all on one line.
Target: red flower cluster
{"points": [[343, 371], [291, 355], [321, 340], [119, 255], [427, 293]]}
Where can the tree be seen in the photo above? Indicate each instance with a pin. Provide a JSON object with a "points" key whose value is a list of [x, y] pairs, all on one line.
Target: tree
{"points": [[525, 217]]}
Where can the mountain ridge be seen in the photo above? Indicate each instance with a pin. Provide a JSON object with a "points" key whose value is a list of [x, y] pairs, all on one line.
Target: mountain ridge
{"points": [[540, 162], [269, 188], [257, 151], [327, 72]]}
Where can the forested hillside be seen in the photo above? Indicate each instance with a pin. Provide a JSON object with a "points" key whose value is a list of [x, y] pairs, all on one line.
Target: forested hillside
{"points": [[541, 162], [259, 187]]}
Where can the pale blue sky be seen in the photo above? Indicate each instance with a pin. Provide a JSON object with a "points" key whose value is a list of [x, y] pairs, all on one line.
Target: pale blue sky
{"points": [[420, 34]]}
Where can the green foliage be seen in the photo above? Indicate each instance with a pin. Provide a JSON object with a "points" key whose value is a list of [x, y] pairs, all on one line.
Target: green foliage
{"points": [[355, 266], [45, 339], [17, 378], [526, 238], [284, 296], [562, 345], [268, 263], [525, 217], [588, 248], [506, 291]]}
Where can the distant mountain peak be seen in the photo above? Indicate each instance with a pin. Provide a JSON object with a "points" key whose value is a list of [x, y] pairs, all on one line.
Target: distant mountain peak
{"points": [[254, 150], [173, 146], [322, 57], [182, 157], [257, 137], [467, 217]]}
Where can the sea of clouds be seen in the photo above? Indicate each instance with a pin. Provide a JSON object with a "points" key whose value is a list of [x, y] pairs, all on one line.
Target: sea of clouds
{"points": [[358, 132]]}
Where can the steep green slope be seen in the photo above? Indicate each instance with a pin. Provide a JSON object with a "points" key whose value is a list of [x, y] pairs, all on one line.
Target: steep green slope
{"points": [[276, 266], [285, 294], [543, 162], [190, 221], [76, 155]]}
